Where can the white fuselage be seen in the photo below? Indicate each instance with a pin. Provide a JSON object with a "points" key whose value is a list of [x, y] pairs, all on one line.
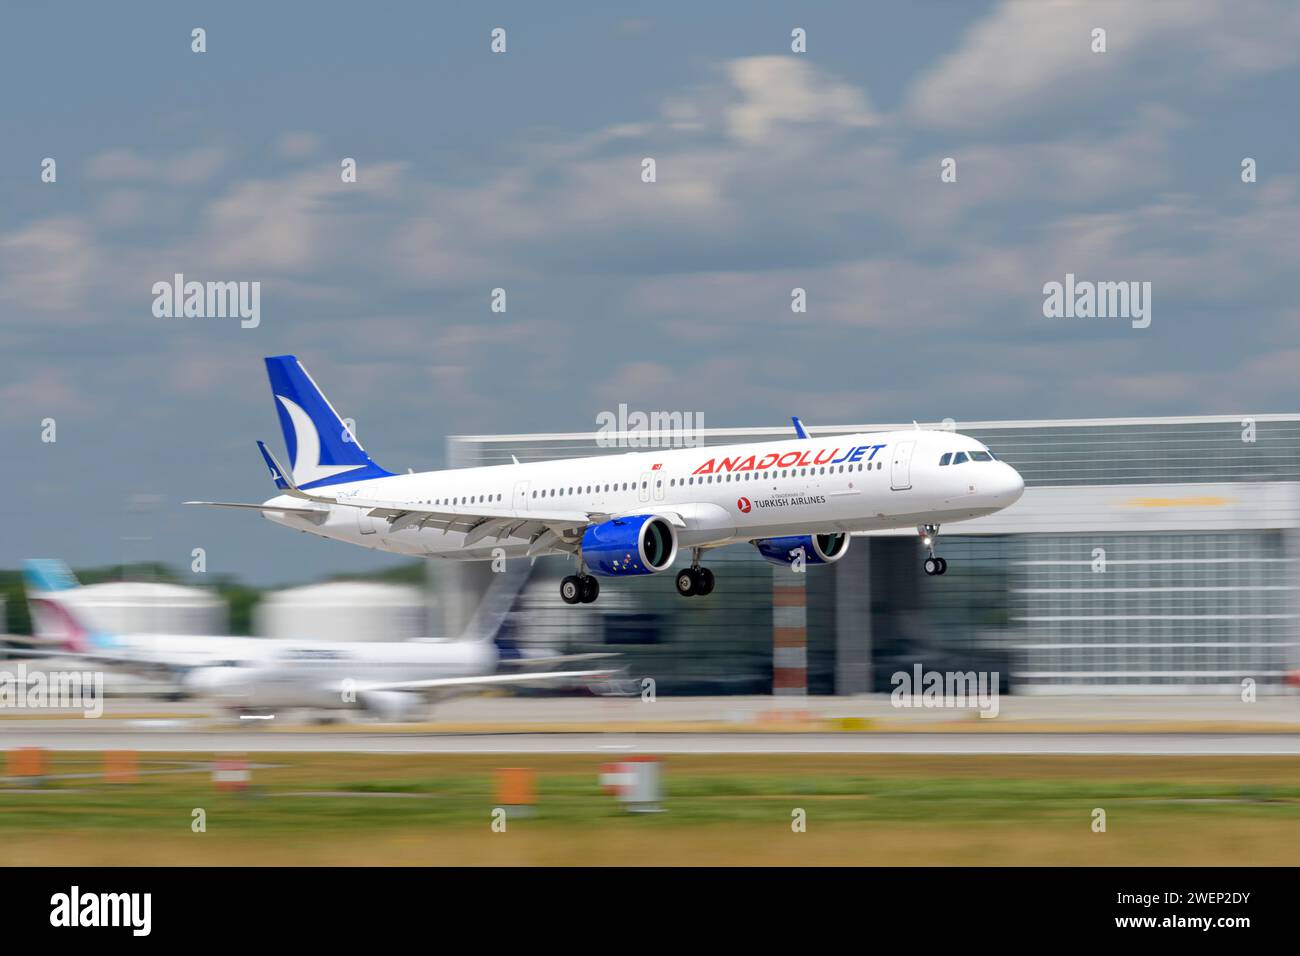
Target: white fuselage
{"points": [[721, 494], [321, 674], [269, 673]]}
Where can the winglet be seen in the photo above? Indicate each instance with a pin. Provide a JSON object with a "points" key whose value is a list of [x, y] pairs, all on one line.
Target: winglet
{"points": [[798, 427], [277, 473]]}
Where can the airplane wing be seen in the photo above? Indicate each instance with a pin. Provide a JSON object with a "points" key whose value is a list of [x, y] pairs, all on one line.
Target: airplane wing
{"points": [[144, 665], [545, 528], [437, 685], [550, 660]]}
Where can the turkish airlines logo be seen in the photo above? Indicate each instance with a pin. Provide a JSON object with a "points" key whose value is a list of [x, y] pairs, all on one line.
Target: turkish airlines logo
{"points": [[743, 505]]}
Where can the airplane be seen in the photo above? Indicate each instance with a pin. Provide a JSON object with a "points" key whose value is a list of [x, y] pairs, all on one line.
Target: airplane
{"points": [[797, 501], [245, 675]]}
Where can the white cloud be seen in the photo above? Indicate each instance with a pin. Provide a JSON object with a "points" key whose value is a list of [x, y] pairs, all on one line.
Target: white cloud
{"points": [[195, 166], [43, 392], [297, 144], [287, 223], [49, 266], [1030, 59], [121, 165], [188, 168], [778, 91]]}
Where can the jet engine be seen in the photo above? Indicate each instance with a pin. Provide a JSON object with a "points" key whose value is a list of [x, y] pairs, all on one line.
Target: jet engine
{"points": [[637, 544], [817, 548]]}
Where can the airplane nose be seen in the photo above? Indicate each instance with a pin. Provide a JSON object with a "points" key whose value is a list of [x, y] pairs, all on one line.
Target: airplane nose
{"points": [[1015, 486]]}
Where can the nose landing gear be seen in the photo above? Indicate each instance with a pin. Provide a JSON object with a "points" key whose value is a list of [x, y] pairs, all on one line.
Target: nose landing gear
{"points": [[932, 565]]}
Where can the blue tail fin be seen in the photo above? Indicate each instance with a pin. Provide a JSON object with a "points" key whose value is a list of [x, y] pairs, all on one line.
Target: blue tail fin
{"points": [[322, 449], [49, 582], [47, 575]]}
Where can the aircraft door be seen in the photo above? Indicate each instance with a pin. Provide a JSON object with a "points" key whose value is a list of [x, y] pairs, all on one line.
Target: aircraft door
{"points": [[643, 486], [900, 475], [520, 497]]}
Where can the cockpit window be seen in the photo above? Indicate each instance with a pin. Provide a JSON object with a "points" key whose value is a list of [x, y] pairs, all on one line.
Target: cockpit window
{"points": [[960, 457], [980, 456], [946, 458]]}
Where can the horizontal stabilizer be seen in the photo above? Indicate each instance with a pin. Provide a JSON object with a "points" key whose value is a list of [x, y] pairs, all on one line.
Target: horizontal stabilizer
{"points": [[277, 508]]}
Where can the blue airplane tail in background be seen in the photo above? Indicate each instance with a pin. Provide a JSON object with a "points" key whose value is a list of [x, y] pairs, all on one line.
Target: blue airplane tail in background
{"points": [[322, 449], [55, 619], [48, 575]]}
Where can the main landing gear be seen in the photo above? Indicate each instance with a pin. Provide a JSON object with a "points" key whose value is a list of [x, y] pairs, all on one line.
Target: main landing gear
{"points": [[579, 589], [932, 565], [695, 580]]}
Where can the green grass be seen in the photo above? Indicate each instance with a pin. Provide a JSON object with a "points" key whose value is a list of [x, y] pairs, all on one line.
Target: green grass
{"points": [[458, 795], [719, 809]]}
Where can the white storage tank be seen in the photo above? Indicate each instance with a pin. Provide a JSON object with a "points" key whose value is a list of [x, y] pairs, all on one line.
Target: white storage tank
{"points": [[150, 607], [344, 611]]}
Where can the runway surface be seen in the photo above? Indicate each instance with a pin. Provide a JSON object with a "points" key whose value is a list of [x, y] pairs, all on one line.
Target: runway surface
{"points": [[189, 740]]}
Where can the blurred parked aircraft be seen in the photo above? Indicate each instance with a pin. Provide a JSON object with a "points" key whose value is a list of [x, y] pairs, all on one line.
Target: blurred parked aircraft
{"points": [[389, 679]]}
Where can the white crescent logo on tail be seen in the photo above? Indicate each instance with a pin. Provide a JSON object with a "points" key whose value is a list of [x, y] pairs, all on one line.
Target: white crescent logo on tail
{"points": [[306, 460]]}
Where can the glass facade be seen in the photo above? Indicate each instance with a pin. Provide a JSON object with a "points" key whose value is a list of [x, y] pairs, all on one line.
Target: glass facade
{"points": [[1156, 611], [1150, 453]]}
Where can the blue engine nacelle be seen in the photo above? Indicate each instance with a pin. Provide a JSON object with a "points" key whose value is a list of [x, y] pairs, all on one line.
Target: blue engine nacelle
{"points": [[637, 544], [817, 548]]}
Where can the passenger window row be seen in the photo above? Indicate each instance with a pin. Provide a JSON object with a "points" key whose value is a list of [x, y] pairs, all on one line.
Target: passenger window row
{"points": [[461, 500], [674, 482]]}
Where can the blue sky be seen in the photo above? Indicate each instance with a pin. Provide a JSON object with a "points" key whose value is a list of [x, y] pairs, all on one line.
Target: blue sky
{"points": [[521, 171]]}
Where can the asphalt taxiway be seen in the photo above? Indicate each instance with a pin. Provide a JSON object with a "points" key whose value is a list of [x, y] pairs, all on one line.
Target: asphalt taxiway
{"points": [[174, 738]]}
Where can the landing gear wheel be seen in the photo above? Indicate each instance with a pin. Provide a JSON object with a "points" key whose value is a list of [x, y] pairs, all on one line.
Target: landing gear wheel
{"points": [[571, 589], [705, 581], [591, 589], [688, 582], [928, 533]]}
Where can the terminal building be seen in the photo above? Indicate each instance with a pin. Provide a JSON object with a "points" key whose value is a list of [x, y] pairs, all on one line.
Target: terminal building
{"points": [[1147, 556]]}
